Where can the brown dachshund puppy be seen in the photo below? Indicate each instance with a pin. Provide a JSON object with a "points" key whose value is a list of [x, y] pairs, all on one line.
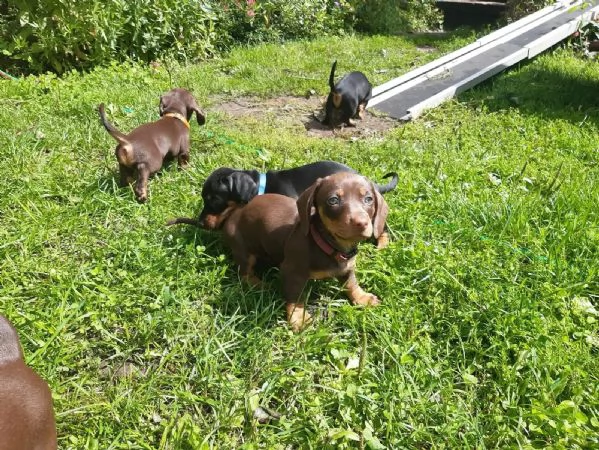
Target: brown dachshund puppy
{"points": [[26, 413], [144, 150], [315, 237]]}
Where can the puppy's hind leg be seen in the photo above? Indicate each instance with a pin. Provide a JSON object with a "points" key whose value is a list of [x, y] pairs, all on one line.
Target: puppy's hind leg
{"points": [[246, 262], [183, 157], [141, 187], [126, 175]]}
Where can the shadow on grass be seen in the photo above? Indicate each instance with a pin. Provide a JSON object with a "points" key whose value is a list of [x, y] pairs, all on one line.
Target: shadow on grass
{"points": [[263, 306], [540, 91]]}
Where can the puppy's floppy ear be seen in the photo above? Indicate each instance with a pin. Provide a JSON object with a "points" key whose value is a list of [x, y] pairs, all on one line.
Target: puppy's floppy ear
{"points": [[241, 186], [380, 213], [305, 205], [193, 107]]}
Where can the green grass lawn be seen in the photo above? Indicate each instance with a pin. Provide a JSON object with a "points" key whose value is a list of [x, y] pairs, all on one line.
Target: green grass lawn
{"points": [[487, 335]]}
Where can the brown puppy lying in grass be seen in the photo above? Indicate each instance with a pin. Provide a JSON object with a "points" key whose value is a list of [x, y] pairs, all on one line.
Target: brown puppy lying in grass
{"points": [[26, 413], [315, 237], [144, 150]]}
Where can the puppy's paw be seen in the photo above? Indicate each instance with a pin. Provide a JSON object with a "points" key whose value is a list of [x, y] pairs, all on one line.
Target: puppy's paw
{"points": [[366, 299], [183, 161], [141, 194], [297, 317], [382, 241], [252, 280], [361, 111]]}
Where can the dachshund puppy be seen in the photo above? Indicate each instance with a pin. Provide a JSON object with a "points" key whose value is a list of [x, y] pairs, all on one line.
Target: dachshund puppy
{"points": [[315, 237], [26, 412], [226, 186], [347, 99], [144, 150]]}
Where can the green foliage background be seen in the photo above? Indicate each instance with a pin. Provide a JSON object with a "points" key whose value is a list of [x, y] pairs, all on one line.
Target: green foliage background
{"points": [[61, 35]]}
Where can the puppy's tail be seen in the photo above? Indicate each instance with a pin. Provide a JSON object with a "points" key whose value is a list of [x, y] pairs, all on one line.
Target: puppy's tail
{"points": [[120, 137], [332, 77], [187, 220], [382, 188]]}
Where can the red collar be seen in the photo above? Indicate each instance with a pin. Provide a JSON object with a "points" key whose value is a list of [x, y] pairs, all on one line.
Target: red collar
{"points": [[328, 248]]}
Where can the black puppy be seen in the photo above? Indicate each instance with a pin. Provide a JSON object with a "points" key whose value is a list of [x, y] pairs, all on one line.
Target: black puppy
{"points": [[347, 99], [226, 187]]}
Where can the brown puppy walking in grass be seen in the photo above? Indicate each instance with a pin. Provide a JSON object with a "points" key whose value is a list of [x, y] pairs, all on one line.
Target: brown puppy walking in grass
{"points": [[143, 151], [26, 413], [315, 237]]}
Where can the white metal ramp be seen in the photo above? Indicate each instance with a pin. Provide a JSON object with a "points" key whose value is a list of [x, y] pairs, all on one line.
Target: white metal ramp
{"points": [[407, 96]]}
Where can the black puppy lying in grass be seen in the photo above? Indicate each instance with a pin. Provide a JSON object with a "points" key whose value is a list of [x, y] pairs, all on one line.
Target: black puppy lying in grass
{"points": [[227, 187], [347, 99]]}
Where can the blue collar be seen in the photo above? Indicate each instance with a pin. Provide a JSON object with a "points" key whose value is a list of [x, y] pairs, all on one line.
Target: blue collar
{"points": [[262, 184]]}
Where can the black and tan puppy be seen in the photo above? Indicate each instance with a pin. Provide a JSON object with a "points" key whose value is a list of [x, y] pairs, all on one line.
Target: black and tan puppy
{"points": [[315, 237], [26, 412], [226, 186], [347, 99], [143, 151]]}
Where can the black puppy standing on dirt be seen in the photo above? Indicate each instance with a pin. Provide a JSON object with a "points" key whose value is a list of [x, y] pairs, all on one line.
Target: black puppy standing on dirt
{"points": [[347, 99], [227, 187]]}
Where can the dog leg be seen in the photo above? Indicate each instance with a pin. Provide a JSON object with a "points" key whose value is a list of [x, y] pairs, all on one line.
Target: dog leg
{"points": [[247, 272], [361, 110], [183, 157], [141, 187], [383, 240], [183, 160], [297, 316], [356, 294], [246, 263], [126, 175], [293, 286]]}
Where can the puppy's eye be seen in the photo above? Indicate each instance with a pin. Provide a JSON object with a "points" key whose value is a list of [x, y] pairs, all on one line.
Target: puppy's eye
{"points": [[333, 201], [368, 199]]}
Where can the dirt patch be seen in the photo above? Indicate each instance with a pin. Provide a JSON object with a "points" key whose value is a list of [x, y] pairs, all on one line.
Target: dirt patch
{"points": [[308, 111]]}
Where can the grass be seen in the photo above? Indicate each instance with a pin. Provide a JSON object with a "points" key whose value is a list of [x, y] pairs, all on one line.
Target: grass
{"points": [[487, 335]]}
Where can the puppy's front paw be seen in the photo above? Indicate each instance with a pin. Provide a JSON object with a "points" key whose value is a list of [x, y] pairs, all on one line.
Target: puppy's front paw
{"points": [[366, 299], [382, 241], [141, 194], [183, 161], [297, 317], [361, 111], [252, 280]]}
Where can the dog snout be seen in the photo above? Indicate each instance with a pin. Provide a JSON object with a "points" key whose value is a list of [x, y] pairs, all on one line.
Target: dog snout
{"points": [[360, 222], [209, 221]]}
